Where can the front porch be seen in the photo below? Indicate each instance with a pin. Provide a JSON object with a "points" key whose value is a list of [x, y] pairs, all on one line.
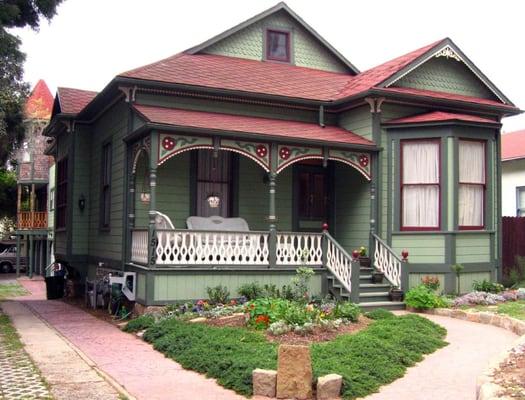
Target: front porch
{"points": [[302, 206]]}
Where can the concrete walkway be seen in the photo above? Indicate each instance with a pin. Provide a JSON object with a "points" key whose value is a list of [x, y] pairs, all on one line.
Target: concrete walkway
{"points": [[142, 371], [451, 372]]}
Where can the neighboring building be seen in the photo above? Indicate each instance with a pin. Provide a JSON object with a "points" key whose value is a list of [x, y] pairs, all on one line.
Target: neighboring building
{"points": [[513, 174], [32, 180], [269, 123]]}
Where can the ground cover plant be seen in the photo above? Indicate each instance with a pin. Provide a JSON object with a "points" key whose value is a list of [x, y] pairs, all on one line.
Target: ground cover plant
{"points": [[367, 360], [11, 290]]}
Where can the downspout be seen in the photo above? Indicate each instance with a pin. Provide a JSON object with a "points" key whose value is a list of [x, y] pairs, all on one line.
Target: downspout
{"points": [[321, 116]]}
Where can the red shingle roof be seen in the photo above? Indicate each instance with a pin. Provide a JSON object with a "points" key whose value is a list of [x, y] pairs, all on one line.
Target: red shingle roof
{"points": [[255, 125], [244, 75], [438, 116], [513, 145], [40, 103], [376, 75], [446, 96], [72, 101]]}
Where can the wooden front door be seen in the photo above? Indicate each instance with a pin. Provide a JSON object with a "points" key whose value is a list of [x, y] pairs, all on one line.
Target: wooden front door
{"points": [[213, 191], [311, 197]]}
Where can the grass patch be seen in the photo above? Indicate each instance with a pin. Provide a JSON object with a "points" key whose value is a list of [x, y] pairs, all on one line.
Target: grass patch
{"points": [[9, 336], [367, 360], [11, 290], [514, 309]]}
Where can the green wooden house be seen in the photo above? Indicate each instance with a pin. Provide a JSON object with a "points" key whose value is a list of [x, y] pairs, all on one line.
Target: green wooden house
{"points": [[290, 156]]}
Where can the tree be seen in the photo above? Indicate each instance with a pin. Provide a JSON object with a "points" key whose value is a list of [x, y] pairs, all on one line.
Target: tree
{"points": [[7, 193], [13, 89]]}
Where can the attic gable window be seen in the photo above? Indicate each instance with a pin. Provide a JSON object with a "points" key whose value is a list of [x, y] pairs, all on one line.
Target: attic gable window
{"points": [[278, 45]]}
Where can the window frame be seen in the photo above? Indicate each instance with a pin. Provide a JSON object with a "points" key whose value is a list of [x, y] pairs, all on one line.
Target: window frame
{"points": [[401, 185], [484, 185], [61, 199], [105, 186], [288, 34], [519, 189]]}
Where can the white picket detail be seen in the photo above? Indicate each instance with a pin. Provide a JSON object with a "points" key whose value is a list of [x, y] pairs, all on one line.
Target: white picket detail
{"points": [[339, 263], [139, 246], [386, 261], [184, 247], [299, 248]]}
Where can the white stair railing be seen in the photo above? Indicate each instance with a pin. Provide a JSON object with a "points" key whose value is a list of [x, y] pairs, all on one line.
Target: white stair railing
{"points": [[190, 247], [299, 248], [339, 263], [387, 262], [139, 246]]}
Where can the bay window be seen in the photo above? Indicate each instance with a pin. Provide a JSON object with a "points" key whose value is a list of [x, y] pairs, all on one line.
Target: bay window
{"points": [[471, 192], [420, 184]]}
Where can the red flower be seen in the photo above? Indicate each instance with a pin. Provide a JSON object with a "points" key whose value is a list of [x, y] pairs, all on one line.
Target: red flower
{"points": [[262, 320]]}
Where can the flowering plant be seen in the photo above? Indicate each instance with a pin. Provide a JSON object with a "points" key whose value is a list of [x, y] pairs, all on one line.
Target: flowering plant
{"points": [[362, 251], [431, 282]]}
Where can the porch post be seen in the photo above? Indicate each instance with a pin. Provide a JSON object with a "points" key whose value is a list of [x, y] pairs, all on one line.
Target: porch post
{"points": [[272, 218], [32, 205], [356, 267], [154, 155], [18, 204], [130, 220], [31, 255], [18, 256]]}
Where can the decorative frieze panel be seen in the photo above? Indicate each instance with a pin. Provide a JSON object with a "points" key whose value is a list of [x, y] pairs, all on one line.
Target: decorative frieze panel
{"points": [[360, 161], [287, 155], [143, 145], [172, 144], [258, 152]]}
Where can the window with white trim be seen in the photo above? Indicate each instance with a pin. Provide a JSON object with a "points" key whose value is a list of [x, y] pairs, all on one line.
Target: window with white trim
{"points": [[520, 201], [471, 192], [420, 184]]}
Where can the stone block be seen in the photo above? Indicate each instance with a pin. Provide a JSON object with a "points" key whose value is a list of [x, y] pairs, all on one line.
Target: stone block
{"points": [[485, 318], [329, 387], [264, 382], [518, 327], [444, 312], [489, 391], [473, 317], [496, 320], [459, 314], [294, 372], [197, 320]]}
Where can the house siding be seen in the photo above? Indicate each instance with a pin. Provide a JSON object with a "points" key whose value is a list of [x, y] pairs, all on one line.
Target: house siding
{"points": [[445, 75], [423, 249], [192, 286], [112, 126], [473, 248], [306, 50], [352, 208], [513, 176], [358, 121]]}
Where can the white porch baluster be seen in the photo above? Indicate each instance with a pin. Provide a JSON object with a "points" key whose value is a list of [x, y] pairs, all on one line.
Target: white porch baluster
{"points": [[299, 248], [339, 263], [386, 261], [139, 246]]}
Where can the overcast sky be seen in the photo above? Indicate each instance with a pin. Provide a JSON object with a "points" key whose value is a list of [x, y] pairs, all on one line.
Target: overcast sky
{"points": [[89, 42]]}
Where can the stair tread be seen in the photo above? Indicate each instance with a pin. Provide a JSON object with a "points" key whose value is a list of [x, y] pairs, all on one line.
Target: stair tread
{"points": [[373, 294], [365, 276], [374, 285]]}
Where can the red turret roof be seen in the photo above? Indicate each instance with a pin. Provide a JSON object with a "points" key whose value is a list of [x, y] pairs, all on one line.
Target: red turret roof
{"points": [[40, 102]]}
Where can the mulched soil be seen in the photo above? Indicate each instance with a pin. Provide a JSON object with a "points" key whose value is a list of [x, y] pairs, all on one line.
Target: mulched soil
{"points": [[318, 335], [511, 374]]}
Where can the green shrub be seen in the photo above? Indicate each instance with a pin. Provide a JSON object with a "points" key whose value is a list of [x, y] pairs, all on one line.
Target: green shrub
{"points": [[487, 286], [346, 310], [273, 309], [251, 290], [298, 314], [367, 360], [300, 283], [380, 313], [422, 298], [218, 294], [139, 323]]}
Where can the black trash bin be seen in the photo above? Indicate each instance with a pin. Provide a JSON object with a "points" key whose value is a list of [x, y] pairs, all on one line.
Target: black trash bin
{"points": [[54, 287]]}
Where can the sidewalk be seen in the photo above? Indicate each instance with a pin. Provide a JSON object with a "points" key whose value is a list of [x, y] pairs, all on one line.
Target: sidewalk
{"points": [[143, 372]]}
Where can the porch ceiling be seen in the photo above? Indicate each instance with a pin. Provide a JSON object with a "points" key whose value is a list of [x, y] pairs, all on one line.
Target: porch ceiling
{"points": [[250, 125]]}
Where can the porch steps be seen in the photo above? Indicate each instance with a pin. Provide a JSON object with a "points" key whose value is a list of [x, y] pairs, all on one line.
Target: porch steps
{"points": [[371, 295]]}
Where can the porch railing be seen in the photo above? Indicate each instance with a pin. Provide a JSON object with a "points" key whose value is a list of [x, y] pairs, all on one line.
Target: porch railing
{"points": [[32, 220], [388, 262], [339, 263], [139, 248], [299, 248], [185, 247]]}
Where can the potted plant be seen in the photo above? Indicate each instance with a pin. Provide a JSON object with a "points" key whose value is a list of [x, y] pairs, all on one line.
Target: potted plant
{"points": [[364, 260], [395, 293], [377, 276]]}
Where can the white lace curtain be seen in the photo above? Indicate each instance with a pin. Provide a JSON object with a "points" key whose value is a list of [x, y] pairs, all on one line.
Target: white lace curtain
{"points": [[471, 183], [420, 179]]}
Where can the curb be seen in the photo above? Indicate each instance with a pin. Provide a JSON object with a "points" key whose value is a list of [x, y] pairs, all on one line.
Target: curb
{"points": [[486, 387], [120, 389]]}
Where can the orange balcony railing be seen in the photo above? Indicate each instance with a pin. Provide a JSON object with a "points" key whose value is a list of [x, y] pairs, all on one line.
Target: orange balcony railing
{"points": [[32, 220]]}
